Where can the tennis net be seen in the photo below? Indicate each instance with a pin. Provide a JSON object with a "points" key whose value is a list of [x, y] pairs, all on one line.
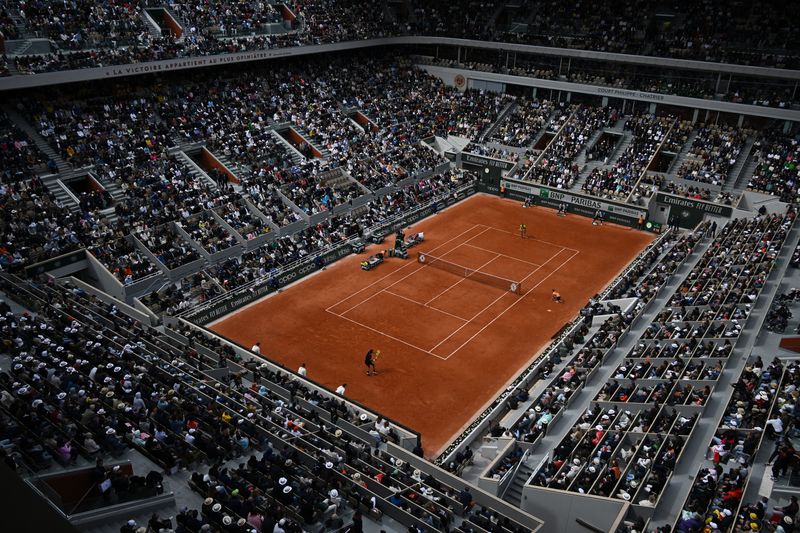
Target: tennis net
{"points": [[470, 273]]}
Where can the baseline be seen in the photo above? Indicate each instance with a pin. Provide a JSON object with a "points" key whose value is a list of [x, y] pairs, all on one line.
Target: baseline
{"points": [[532, 238]]}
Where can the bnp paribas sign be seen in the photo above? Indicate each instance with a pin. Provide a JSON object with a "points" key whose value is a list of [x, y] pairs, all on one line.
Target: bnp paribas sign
{"points": [[553, 197], [573, 199]]}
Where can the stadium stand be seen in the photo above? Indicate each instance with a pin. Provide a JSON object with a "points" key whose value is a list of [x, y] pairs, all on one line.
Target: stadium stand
{"points": [[184, 191], [110, 400], [146, 31]]}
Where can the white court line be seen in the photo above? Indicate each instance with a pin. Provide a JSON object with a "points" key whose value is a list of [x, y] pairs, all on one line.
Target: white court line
{"points": [[430, 352], [464, 278], [503, 255], [512, 305], [407, 275], [494, 302], [531, 238], [424, 305], [401, 268], [386, 335]]}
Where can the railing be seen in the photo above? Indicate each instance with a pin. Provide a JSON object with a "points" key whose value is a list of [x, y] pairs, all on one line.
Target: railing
{"points": [[46, 492], [656, 153], [507, 480], [82, 499], [408, 439]]}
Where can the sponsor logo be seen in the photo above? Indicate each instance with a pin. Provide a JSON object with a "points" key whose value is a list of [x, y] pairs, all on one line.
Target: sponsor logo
{"points": [[572, 199], [300, 271], [582, 205], [336, 254], [638, 95], [486, 161], [714, 209]]}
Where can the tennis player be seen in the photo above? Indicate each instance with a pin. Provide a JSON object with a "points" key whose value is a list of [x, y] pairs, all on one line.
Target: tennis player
{"points": [[557, 297], [523, 231], [369, 361]]}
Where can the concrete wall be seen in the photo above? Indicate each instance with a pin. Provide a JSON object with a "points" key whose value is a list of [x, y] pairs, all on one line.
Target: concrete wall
{"points": [[560, 510], [146, 316]]}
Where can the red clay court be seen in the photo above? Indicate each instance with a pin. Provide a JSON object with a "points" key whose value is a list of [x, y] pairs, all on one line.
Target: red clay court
{"points": [[449, 343]]}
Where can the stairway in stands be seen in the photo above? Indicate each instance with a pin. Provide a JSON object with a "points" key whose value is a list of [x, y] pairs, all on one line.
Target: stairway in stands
{"points": [[513, 494], [588, 167], [60, 194], [696, 447], [65, 170], [111, 188], [297, 158], [546, 127], [613, 359], [500, 118], [151, 25], [11, 65], [175, 16], [22, 29], [627, 139], [326, 154], [194, 170], [585, 165], [38, 140], [683, 154], [182, 144], [181, 150], [241, 171], [743, 169]]}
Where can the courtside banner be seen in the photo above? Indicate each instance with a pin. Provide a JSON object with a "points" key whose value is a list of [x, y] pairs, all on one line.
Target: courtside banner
{"points": [[694, 204], [483, 161], [576, 203], [223, 306], [488, 168], [242, 296], [404, 221], [239, 298]]}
